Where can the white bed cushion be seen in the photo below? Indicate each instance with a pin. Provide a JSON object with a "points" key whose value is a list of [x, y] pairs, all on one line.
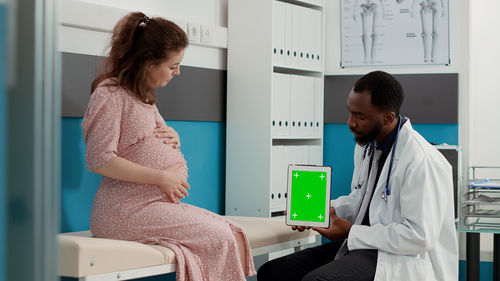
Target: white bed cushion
{"points": [[262, 232], [83, 255]]}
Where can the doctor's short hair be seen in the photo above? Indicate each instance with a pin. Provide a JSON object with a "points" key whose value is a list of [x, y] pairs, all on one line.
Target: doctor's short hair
{"points": [[386, 92]]}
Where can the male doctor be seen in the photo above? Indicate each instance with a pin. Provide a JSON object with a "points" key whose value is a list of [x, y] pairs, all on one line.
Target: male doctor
{"points": [[397, 223]]}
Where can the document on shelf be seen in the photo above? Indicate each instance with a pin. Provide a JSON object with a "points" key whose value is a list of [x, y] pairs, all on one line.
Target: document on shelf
{"points": [[485, 200], [484, 212], [491, 184]]}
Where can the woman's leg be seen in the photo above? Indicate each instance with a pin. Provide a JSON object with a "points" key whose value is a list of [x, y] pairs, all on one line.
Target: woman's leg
{"points": [[241, 251], [203, 242]]}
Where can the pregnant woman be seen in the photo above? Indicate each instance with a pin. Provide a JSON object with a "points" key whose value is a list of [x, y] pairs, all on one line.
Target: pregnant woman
{"points": [[144, 172]]}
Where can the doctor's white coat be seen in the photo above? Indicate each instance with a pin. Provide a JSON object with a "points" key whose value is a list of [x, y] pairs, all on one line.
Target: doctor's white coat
{"points": [[414, 231]]}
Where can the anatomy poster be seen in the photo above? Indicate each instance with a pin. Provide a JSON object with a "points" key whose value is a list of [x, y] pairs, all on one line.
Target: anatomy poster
{"points": [[394, 32]]}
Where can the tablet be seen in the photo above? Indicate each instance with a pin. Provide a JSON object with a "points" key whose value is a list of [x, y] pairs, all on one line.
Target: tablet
{"points": [[308, 200]]}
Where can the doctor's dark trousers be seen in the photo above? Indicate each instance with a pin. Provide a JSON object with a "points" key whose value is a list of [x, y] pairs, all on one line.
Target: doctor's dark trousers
{"points": [[318, 264]]}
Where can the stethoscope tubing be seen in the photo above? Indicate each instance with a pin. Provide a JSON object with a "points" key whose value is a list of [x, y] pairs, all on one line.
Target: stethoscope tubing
{"points": [[387, 189], [368, 152]]}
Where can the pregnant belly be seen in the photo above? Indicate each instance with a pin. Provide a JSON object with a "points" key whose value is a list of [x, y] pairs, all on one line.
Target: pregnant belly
{"points": [[152, 152]]}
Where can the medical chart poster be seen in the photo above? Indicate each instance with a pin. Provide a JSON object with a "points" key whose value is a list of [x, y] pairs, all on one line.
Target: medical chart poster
{"points": [[394, 32]]}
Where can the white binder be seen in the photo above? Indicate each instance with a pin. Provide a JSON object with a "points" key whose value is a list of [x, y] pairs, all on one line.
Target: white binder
{"points": [[288, 34], [297, 33], [277, 152], [296, 40], [307, 36], [301, 105], [310, 106], [317, 32], [282, 156], [289, 156], [278, 32], [318, 107], [280, 105], [301, 154], [297, 97], [315, 155]]}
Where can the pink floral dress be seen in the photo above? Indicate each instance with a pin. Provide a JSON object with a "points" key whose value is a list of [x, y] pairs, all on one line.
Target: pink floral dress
{"points": [[118, 124]]}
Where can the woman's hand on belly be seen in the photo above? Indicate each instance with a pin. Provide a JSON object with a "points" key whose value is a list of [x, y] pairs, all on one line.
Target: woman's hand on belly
{"points": [[169, 134], [172, 184]]}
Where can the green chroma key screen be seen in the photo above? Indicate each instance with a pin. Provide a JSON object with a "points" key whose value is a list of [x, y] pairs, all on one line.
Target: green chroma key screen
{"points": [[308, 196]]}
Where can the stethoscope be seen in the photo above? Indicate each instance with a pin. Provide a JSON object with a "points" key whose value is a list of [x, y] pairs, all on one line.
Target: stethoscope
{"points": [[368, 151]]}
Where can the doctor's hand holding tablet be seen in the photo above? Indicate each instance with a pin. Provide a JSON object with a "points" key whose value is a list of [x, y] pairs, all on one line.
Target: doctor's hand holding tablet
{"points": [[338, 229], [308, 205]]}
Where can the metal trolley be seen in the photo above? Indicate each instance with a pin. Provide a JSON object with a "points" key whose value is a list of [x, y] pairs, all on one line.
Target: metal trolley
{"points": [[478, 211], [479, 204]]}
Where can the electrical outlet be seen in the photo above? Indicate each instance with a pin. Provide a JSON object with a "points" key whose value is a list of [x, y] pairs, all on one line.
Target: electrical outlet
{"points": [[193, 32], [206, 34]]}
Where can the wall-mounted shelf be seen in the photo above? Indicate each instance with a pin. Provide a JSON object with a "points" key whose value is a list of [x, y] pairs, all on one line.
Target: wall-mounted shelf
{"points": [[274, 101]]}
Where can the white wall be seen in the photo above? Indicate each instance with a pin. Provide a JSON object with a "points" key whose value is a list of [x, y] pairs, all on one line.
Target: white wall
{"points": [[484, 87], [484, 92], [208, 12], [85, 27]]}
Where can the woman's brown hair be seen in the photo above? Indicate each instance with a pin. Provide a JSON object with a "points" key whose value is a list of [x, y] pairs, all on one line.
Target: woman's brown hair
{"points": [[138, 42]]}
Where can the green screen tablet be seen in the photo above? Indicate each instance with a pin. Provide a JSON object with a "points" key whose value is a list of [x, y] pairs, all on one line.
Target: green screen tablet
{"points": [[308, 200]]}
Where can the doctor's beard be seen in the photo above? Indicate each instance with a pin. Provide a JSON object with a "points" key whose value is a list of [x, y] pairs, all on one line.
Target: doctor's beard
{"points": [[370, 136]]}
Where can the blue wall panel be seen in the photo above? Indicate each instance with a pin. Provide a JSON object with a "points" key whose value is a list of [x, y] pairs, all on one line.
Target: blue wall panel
{"points": [[203, 144], [338, 147], [204, 147], [485, 271], [3, 137], [438, 133], [78, 186]]}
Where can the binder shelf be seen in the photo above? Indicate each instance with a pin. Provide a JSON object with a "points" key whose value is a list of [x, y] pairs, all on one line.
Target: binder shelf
{"points": [[275, 96], [480, 200]]}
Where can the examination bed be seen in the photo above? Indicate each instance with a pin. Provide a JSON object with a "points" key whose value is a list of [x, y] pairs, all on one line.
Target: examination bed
{"points": [[88, 258]]}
